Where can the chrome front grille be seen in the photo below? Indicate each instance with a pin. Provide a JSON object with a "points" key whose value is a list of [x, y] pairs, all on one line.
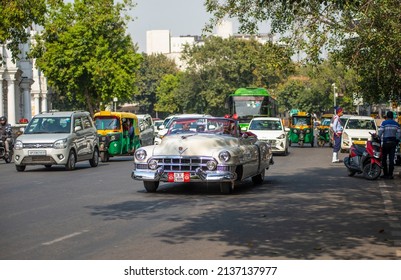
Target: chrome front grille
{"points": [[182, 164], [38, 145]]}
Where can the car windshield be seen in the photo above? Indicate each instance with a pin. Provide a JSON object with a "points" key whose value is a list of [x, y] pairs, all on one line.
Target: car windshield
{"points": [[360, 124], [326, 122], [301, 120], [107, 123], [46, 125], [221, 126], [265, 125]]}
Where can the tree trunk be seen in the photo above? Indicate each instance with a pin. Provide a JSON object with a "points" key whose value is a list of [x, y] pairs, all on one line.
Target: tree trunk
{"points": [[88, 100]]}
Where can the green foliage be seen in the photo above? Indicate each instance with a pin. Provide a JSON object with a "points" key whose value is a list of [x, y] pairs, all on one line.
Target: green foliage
{"points": [[364, 34], [220, 66], [311, 89], [85, 54], [168, 99], [17, 16], [151, 73]]}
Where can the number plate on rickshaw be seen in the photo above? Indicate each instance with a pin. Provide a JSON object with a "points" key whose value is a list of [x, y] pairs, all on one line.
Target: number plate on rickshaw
{"points": [[179, 177]]}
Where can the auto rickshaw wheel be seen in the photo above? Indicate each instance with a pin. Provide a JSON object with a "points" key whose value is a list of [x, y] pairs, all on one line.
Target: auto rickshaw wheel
{"points": [[104, 156], [320, 142], [151, 186]]}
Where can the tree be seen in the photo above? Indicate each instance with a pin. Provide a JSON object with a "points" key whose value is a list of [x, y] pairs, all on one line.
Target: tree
{"points": [[311, 90], [17, 17], [168, 99], [153, 69], [364, 34], [220, 66], [85, 54]]}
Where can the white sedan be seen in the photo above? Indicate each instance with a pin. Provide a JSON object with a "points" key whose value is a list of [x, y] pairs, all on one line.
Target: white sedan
{"points": [[272, 131], [356, 131], [203, 149]]}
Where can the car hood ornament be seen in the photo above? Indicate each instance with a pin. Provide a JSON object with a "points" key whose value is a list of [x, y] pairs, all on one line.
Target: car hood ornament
{"points": [[181, 150]]}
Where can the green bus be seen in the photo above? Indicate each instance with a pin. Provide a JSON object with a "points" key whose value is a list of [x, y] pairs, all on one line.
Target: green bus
{"points": [[247, 103]]}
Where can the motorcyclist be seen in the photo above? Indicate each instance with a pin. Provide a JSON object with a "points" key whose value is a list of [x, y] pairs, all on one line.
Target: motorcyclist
{"points": [[5, 133]]}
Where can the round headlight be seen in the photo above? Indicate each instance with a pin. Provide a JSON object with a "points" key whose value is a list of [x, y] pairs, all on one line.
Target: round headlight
{"points": [[295, 131], [224, 156], [140, 154], [152, 164], [308, 131], [211, 165]]}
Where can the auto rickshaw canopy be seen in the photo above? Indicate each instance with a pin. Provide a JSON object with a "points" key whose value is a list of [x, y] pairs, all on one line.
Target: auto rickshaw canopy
{"points": [[116, 121]]}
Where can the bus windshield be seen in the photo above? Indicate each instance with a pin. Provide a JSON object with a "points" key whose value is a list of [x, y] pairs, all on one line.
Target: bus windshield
{"points": [[248, 105]]}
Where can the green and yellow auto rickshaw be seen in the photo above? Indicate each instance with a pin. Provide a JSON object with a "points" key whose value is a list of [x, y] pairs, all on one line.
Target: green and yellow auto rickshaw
{"points": [[301, 129], [323, 130], [118, 134]]}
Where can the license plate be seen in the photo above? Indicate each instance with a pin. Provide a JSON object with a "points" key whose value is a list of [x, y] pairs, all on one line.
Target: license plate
{"points": [[37, 153], [179, 177]]}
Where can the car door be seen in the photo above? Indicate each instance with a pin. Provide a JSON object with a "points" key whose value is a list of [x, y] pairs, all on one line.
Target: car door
{"points": [[90, 135], [79, 139]]}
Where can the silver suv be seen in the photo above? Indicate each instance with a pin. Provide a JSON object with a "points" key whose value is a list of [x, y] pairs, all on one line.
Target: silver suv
{"points": [[57, 138]]}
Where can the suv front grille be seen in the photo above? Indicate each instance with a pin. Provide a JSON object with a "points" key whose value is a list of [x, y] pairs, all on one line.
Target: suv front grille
{"points": [[38, 145]]}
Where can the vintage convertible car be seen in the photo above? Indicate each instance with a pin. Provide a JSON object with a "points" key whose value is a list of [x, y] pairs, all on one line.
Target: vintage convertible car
{"points": [[203, 149]]}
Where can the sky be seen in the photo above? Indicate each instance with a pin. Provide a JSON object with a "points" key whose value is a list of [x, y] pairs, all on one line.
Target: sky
{"points": [[180, 17]]}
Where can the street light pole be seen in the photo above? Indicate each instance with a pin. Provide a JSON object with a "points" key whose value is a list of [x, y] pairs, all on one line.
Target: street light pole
{"points": [[115, 100], [335, 96]]}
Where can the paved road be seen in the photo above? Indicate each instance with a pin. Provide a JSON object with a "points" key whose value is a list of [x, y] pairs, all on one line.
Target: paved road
{"points": [[307, 208]]}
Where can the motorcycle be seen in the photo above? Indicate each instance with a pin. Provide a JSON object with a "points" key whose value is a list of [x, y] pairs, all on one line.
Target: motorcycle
{"points": [[365, 160], [7, 157]]}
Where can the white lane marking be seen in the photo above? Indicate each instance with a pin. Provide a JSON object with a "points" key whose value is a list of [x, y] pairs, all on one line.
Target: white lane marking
{"points": [[65, 237]]}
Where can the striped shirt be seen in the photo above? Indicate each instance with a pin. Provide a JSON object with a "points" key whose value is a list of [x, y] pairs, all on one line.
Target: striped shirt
{"points": [[390, 131]]}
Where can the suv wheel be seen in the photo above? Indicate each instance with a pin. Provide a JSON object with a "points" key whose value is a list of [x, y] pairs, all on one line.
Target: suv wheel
{"points": [[71, 161], [94, 161], [20, 168]]}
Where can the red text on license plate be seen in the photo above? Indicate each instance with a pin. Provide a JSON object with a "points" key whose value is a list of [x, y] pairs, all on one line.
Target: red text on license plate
{"points": [[179, 177]]}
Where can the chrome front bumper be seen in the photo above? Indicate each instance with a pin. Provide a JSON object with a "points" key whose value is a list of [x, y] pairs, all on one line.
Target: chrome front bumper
{"points": [[198, 176]]}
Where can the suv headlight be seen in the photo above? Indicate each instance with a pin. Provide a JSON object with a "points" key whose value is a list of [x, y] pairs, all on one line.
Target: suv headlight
{"points": [[18, 145], [60, 144]]}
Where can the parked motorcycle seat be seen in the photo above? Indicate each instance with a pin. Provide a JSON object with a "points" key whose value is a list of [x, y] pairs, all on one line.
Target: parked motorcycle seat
{"points": [[359, 150]]}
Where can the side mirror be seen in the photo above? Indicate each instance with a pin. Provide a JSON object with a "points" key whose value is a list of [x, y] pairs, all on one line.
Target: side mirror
{"points": [[161, 127], [78, 128], [287, 129]]}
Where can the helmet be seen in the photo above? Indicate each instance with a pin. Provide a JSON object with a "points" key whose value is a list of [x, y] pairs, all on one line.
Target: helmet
{"points": [[3, 119]]}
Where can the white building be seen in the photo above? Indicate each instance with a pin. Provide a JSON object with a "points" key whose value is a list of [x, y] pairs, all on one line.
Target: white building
{"points": [[158, 41], [23, 91], [161, 41]]}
